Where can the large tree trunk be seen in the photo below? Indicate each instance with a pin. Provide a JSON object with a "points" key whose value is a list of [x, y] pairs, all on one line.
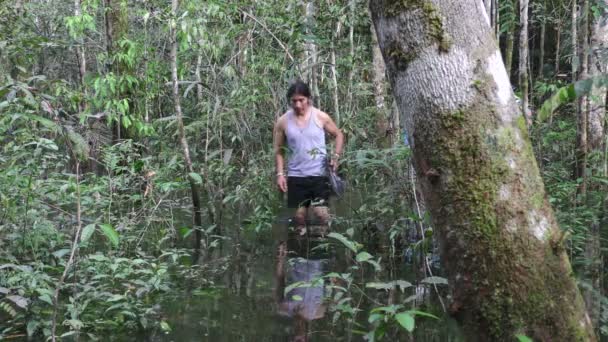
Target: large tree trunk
{"points": [[194, 186], [501, 247]]}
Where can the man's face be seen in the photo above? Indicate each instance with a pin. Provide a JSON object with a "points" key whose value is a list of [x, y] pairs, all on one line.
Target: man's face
{"points": [[299, 103]]}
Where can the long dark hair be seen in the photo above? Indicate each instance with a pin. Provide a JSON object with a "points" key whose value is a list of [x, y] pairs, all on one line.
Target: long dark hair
{"points": [[298, 87]]}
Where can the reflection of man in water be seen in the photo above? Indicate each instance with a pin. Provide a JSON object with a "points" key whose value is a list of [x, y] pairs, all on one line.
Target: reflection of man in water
{"points": [[303, 128], [299, 264]]}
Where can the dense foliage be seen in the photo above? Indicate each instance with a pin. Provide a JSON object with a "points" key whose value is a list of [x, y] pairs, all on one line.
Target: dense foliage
{"points": [[96, 228]]}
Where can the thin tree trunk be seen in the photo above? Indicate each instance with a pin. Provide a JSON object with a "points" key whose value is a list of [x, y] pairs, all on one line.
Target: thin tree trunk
{"points": [[509, 51], [596, 113], [82, 61], [379, 72], [351, 45], [501, 247], [334, 76], [383, 124], [194, 186], [574, 40], [496, 21], [541, 55], [523, 55], [583, 102], [597, 67], [116, 25], [311, 53], [558, 37]]}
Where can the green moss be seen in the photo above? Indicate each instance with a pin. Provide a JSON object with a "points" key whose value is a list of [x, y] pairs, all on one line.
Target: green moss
{"points": [[400, 58], [523, 127], [537, 200]]}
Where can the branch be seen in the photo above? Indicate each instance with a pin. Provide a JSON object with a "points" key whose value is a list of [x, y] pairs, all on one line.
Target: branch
{"points": [[272, 34]]}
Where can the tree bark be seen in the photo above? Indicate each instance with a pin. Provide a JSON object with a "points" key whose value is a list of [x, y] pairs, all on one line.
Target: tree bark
{"points": [[597, 67], [583, 101], [82, 61], [334, 73], [596, 112], [352, 8], [574, 39], [501, 247], [116, 27], [194, 186], [541, 55], [509, 51], [310, 64], [558, 36], [523, 55], [385, 126]]}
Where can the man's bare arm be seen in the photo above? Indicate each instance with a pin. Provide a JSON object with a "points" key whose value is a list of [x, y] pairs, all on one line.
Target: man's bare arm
{"points": [[331, 128], [279, 141]]}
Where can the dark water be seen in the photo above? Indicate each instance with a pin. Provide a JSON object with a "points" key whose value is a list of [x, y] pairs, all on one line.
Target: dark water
{"points": [[251, 303]]}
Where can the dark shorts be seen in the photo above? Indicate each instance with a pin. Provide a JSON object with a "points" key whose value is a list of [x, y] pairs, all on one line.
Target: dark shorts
{"points": [[304, 191]]}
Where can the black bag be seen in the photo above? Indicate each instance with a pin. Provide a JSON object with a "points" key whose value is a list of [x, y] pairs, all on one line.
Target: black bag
{"points": [[337, 184]]}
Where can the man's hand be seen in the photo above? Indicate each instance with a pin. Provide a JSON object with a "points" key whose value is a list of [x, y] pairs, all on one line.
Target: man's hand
{"points": [[333, 163], [282, 183]]}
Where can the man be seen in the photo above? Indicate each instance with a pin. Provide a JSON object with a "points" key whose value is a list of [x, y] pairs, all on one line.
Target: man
{"points": [[303, 128]]}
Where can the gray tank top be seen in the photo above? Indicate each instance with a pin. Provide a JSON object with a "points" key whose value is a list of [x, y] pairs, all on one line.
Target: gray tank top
{"points": [[306, 147]]}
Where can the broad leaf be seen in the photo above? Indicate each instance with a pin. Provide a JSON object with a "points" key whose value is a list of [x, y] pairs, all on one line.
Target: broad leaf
{"points": [[406, 321], [87, 232], [110, 233], [196, 177], [435, 280], [363, 256], [345, 241]]}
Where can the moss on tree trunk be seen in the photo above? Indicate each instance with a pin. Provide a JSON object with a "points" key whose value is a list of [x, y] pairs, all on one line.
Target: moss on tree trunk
{"points": [[501, 247]]}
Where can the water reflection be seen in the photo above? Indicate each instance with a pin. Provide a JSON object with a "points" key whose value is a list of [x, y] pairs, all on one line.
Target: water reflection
{"points": [[300, 292]]}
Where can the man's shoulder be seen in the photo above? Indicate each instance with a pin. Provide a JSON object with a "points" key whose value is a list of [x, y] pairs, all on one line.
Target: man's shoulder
{"points": [[282, 120], [322, 115]]}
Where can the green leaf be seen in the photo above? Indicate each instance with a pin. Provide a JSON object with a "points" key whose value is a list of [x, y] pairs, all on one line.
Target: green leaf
{"points": [[297, 298], [185, 232], [421, 313], [363, 256], [61, 252], [405, 320], [523, 338], [196, 177], [110, 233], [87, 232], [295, 285], [374, 317], [165, 326], [21, 302], [353, 246], [389, 285], [435, 280], [46, 298]]}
